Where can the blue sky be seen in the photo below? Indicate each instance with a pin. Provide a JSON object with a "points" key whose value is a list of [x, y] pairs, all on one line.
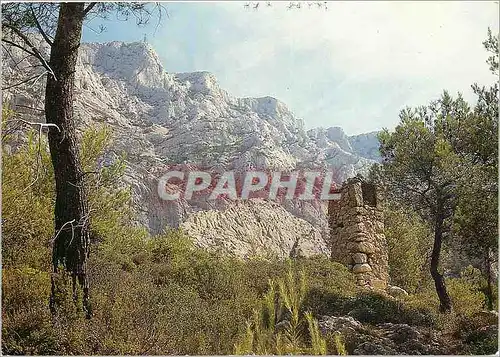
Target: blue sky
{"points": [[354, 65]]}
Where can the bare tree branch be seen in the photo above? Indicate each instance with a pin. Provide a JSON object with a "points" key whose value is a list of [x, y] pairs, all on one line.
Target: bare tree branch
{"points": [[36, 77], [160, 9], [39, 152], [34, 51], [88, 8], [18, 46], [60, 229], [28, 107], [20, 61], [101, 29], [39, 27], [35, 123], [38, 158]]}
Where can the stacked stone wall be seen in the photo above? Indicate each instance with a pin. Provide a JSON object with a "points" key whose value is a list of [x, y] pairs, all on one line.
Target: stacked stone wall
{"points": [[357, 232]]}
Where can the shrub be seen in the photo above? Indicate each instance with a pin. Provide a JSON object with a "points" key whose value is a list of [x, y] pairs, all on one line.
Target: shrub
{"points": [[479, 333], [279, 325], [373, 307], [330, 284], [27, 196], [466, 298], [408, 241]]}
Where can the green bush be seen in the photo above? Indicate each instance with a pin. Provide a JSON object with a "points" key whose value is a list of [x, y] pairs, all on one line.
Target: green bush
{"points": [[474, 329], [162, 295], [330, 284], [279, 324], [408, 241], [372, 307], [479, 333], [466, 298]]}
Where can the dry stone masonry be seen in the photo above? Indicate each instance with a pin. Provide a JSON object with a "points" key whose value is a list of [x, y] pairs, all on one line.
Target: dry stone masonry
{"points": [[357, 232]]}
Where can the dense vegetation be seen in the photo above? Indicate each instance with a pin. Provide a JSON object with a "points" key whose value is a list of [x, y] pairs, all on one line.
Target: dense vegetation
{"points": [[162, 295], [150, 295]]}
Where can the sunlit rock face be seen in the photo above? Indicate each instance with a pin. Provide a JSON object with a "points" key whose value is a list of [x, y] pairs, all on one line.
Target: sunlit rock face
{"points": [[160, 118]]}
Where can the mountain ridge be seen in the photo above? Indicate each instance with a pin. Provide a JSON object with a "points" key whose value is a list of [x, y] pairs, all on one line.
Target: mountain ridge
{"points": [[160, 118]]}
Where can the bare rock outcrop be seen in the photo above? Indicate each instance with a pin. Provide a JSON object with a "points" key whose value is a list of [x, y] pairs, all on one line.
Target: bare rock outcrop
{"points": [[255, 228], [384, 338]]}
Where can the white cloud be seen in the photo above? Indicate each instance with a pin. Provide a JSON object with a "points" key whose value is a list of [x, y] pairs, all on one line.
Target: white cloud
{"points": [[319, 61], [377, 39]]}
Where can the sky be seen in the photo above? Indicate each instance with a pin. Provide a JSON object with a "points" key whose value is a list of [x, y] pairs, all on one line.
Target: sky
{"points": [[352, 64]]}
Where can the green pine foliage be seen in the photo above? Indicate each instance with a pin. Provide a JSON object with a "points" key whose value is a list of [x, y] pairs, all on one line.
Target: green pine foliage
{"points": [[409, 239]]}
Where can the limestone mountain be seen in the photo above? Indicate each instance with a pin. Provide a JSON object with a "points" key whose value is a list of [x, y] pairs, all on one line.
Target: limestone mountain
{"points": [[160, 118]]}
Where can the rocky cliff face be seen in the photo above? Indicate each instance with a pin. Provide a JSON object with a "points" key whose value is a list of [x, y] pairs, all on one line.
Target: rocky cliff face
{"points": [[337, 151], [366, 145], [255, 228], [160, 118]]}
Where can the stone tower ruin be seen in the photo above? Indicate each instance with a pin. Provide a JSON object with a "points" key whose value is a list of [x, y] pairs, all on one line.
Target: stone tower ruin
{"points": [[357, 232]]}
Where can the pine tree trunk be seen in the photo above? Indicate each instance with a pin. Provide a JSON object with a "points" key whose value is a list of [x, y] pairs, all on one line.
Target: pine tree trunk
{"points": [[489, 285], [71, 246], [444, 298]]}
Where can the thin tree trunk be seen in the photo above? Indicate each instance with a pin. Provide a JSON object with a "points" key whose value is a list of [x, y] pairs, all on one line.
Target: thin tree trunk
{"points": [[444, 298], [489, 286], [71, 246]]}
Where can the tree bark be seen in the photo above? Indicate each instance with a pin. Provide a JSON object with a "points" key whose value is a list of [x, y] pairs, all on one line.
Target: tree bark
{"points": [[444, 298], [489, 284], [71, 245]]}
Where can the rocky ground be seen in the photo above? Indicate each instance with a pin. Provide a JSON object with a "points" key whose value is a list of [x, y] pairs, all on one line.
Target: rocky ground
{"points": [[403, 339], [384, 338]]}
